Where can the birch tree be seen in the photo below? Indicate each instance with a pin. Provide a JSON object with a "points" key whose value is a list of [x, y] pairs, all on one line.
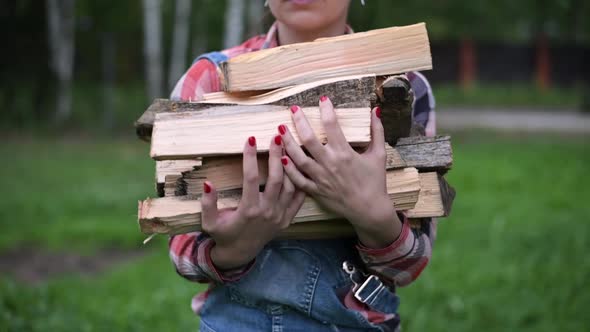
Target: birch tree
{"points": [[152, 32], [234, 23], [60, 29], [255, 15], [179, 41]]}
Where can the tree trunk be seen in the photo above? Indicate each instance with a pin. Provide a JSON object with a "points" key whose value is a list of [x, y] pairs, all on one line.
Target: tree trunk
{"points": [[108, 49], [234, 23], [200, 34], [60, 21], [255, 16], [179, 42], [152, 22]]}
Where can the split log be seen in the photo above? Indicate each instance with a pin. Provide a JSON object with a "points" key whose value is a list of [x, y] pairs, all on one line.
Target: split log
{"points": [[170, 168], [225, 173], [381, 52], [145, 123], [434, 200], [423, 153], [436, 197], [224, 130], [345, 92], [426, 153], [395, 99], [174, 215], [353, 91]]}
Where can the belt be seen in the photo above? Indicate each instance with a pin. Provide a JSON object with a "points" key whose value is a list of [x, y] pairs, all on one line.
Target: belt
{"points": [[366, 287]]}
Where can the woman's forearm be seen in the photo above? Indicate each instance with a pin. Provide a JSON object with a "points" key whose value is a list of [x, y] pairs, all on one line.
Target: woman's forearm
{"points": [[379, 229]]}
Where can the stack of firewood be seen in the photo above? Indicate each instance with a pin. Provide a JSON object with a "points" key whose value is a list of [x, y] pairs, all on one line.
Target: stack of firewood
{"points": [[197, 141]]}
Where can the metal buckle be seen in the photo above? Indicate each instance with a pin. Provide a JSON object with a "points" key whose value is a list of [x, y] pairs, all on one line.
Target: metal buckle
{"points": [[371, 278], [351, 271]]}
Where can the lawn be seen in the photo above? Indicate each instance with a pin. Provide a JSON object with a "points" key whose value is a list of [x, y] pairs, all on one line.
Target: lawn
{"points": [[515, 95], [510, 258]]}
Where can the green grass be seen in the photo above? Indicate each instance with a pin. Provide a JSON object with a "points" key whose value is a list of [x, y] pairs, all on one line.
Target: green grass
{"points": [[76, 194], [511, 257], [508, 96]]}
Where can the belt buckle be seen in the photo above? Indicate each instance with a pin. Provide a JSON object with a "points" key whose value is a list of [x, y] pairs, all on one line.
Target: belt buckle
{"points": [[372, 281]]}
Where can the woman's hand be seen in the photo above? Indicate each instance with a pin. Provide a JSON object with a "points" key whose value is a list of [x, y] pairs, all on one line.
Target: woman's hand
{"points": [[241, 233], [342, 180]]}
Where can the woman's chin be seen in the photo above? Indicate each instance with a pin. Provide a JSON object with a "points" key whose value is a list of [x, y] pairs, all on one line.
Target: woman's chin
{"points": [[305, 21]]}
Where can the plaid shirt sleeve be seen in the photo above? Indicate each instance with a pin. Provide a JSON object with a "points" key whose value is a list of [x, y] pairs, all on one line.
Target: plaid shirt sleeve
{"points": [[200, 78], [190, 253], [402, 262], [191, 256]]}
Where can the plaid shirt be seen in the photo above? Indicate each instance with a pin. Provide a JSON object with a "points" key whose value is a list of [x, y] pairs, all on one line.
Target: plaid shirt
{"points": [[398, 264]]}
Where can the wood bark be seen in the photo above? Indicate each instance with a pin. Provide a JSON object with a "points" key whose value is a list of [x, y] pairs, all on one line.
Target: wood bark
{"points": [[395, 99], [356, 91], [351, 91], [426, 153], [152, 32], [224, 130], [380, 52]]}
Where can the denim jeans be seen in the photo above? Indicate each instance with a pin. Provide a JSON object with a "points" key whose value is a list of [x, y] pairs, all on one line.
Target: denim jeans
{"points": [[293, 286]]}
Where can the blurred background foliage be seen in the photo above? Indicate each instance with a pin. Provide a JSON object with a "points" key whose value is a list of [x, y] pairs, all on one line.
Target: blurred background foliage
{"points": [[510, 258], [109, 72]]}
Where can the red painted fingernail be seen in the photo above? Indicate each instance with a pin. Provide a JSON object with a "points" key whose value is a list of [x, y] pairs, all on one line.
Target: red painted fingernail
{"points": [[282, 129], [378, 112], [206, 187], [284, 160], [278, 140], [323, 98], [252, 140], [294, 109]]}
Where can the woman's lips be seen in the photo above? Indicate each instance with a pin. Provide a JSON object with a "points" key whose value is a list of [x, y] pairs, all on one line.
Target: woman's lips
{"points": [[301, 2]]}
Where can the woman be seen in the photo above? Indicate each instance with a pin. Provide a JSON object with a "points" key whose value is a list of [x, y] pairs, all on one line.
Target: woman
{"points": [[261, 284]]}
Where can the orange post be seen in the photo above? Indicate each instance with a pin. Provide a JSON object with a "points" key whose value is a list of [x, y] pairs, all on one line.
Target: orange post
{"points": [[467, 63]]}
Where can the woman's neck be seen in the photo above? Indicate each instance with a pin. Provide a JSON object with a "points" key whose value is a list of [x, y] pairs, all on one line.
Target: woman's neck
{"points": [[287, 35]]}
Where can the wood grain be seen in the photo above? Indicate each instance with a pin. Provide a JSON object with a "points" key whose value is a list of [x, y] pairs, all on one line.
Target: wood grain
{"points": [[344, 92], [423, 153], [426, 153], [172, 167], [225, 130], [174, 215], [432, 202], [380, 52]]}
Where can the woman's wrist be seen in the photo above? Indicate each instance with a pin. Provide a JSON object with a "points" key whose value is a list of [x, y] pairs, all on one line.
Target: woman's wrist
{"points": [[379, 228], [231, 257]]}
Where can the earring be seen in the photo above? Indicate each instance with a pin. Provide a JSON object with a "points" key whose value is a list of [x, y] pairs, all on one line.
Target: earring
{"points": [[266, 3], [363, 2]]}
